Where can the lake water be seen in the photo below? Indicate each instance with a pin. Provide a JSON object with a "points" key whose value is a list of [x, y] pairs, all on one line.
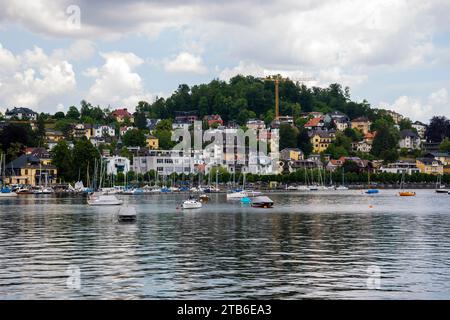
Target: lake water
{"points": [[344, 245]]}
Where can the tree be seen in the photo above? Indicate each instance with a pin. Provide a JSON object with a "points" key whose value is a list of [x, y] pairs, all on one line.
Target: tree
{"points": [[438, 129], [445, 145], [73, 113], [63, 160], [59, 115], [85, 155], [304, 143], [288, 136], [140, 120], [350, 166], [41, 128], [65, 126], [134, 138], [22, 134], [353, 134], [405, 123], [385, 142]]}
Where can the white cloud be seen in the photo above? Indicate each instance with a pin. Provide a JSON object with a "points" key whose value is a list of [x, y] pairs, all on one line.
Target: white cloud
{"points": [[116, 83], [186, 62], [32, 77], [437, 103], [78, 50]]}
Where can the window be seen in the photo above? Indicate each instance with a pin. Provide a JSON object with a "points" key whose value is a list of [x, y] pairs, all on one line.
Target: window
{"points": [[159, 161]]}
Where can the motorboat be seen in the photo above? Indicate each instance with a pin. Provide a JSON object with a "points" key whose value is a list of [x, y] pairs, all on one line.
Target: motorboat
{"points": [[97, 199], [313, 188], [24, 191], [192, 204], [442, 191], [341, 188], [372, 191], [291, 188], [246, 201], [203, 198], [7, 193], [302, 188], [406, 194], [127, 214], [47, 190], [262, 202]]}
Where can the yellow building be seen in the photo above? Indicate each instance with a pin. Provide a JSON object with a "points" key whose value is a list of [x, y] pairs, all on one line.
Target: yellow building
{"points": [[152, 142], [362, 124], [82, 130], [53, 135], [291, 154], [430, 166], [447, 169], [320, 140], [30, 170]]}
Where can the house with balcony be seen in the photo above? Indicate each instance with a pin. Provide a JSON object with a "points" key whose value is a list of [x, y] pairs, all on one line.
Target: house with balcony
{"points": [[362, 124], [400, 167], [430, 166], [21, 114], [121, 115], [409, 140], [29, 169], [321, 139], [101, 131]]}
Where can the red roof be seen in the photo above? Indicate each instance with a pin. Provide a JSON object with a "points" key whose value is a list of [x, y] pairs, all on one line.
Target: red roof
{"points": [[370, 135], [121, 113], [314, 122]]}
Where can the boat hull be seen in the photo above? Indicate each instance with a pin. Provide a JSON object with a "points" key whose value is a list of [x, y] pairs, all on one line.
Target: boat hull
{"points": [[406, 194]]}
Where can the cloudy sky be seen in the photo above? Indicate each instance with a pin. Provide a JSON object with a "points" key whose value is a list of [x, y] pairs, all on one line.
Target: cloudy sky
{"points": [[394, 53]]}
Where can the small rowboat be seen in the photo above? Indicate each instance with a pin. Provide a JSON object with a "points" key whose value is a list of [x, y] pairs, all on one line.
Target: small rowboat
{"points": [[406, 194]]}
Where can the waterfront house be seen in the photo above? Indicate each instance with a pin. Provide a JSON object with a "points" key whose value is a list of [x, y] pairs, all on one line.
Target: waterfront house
{"points": [[333, 164], [152, 142], [430, 166], [116, 164], [21, 114], [122, 114], [444, 157], [400, 167], [362, 124], [288, 154], [409, 140], [28, 169]]}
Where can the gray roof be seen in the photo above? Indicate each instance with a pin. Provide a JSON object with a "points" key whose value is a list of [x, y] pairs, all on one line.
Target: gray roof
{"points": [[429, 161], [23, 161], [16, 111], [408, 133]]}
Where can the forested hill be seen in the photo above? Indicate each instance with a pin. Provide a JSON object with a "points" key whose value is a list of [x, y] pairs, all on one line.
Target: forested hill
{"points": [[248, 97]]}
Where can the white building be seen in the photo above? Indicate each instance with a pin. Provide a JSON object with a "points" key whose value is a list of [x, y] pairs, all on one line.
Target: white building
{"points": [[420, 128], [101, 131], [166, 162], [256, 124], [400, 167], [116, 164], [409, 140]]}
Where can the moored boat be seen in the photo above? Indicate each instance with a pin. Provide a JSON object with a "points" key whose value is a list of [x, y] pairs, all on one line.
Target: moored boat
{"points": [[262, 202], [406, 194], [127, 214], [7, 193], [192, 204]]}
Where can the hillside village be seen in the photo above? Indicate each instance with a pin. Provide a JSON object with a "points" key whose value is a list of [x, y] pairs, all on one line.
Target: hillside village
{"points": [[136, 146]]}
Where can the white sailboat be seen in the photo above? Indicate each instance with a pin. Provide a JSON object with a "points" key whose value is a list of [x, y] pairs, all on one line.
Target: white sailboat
{"points": [[342, 186]]}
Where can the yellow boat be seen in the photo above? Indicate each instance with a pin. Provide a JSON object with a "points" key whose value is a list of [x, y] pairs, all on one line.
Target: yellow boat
{"points": [[406, 194]]}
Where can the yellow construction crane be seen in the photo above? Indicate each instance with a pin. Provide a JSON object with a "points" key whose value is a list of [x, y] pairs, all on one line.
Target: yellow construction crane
{"points": [[276, 79]]}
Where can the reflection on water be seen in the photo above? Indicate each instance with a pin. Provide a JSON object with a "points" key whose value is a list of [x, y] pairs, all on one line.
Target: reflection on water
{"points": [[310, 245]]}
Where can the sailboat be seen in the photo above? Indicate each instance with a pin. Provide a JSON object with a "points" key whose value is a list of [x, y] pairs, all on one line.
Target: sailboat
{"points": [[370, 190], [5, 192], [403, 193], [440, 188], [342, 186]]}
